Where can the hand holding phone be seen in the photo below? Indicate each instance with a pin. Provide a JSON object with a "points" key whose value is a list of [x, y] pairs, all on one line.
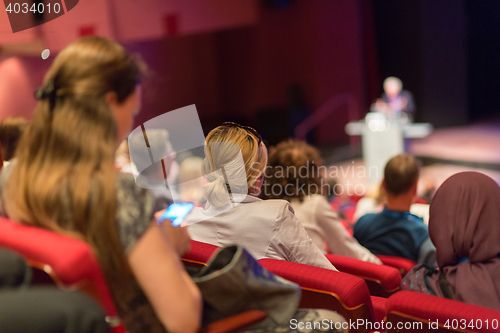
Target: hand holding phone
{"points": [[177, 212]]}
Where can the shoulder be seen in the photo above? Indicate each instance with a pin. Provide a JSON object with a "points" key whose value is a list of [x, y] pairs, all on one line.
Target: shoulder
{"points": [[365, 224], [417, 224], [317, 199], [367, 219], [135, 210], [128, 192], [279, 206]]}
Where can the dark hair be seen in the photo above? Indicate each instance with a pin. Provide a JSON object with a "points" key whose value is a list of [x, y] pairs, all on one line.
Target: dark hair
{"points": [[400, 174], [287, 163], [11, 129]]}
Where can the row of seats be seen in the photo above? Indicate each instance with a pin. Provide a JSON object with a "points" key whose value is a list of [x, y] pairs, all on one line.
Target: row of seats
{"points": [[71, 265], [382, 280], [352, 297]]}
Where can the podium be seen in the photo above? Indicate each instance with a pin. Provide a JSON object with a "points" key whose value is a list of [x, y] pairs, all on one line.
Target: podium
{"points": [[383, 138]]}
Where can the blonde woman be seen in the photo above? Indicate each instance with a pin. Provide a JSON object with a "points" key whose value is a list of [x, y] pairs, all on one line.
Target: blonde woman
{"points": [[234, 213], [64, 179]]}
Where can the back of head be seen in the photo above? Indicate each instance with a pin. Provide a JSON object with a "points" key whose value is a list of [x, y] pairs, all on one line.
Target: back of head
{"points": [[464, 227], [294, 171], [464, 215], [11, 129], [401, 174], [392, 85], [240, 158]]}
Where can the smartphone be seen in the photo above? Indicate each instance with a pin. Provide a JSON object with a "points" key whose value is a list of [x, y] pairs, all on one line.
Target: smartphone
{"points": [[177, 212]]}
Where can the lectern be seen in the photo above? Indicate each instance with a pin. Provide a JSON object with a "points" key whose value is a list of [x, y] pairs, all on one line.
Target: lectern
{"points": [[383, 138]]}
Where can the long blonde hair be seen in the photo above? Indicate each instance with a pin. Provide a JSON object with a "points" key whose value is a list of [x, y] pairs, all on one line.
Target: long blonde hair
{"points": [[64, 177], [254, 158]]}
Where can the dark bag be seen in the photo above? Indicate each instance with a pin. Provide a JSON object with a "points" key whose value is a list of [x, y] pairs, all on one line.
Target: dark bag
{"points": [[234, 282], [14, 271]]}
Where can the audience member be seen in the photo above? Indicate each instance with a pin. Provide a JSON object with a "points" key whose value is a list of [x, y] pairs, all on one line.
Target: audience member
{"points": [[234, 213], [191, 180], [153, 176], [11, 129], [395, 231], [375, 200], [294, 174], [464, 226], [64, 179]]}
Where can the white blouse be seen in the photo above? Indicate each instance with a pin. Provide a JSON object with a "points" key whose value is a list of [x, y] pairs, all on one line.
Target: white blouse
{"points": [[266, 228], [323, 226]]}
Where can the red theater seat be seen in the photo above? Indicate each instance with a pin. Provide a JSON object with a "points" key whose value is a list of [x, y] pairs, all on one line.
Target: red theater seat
{"points": [[70, 262], [402, 264], [199, 253], [379, 307], [416, 312], [326, 289], [381, 280]]}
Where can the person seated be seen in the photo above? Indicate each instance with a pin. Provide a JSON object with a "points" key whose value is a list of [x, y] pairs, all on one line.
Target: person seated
{"points": [[234, 163], [64, 180], [152, 176], [375, 199], [11, 129], [294, 174], [395, 231], [463, 224], [396, 102], [191, 180]]}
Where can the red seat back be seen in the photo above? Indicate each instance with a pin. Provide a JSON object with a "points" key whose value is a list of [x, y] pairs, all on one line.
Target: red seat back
{"points": [[381, 280], [326, 289], [199, 253], [70, 262], [402, 264], [417, 312]]}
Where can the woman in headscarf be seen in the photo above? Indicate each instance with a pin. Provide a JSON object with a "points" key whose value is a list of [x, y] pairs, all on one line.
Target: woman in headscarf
{"points": [[464, 225]]}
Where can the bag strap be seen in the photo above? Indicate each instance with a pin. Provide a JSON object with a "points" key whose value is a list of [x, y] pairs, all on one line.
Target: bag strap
{"points": [[443, 285]]}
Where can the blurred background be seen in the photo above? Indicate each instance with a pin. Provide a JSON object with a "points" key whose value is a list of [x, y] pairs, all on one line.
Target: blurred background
{"points": [[271, 64]]}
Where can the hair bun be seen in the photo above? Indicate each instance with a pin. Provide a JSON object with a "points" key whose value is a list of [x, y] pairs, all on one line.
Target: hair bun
{"points": [[216, 191]]}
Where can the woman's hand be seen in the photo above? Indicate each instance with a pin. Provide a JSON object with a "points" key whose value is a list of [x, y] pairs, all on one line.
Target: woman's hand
{"points": [[177, 237], [162, 277]]}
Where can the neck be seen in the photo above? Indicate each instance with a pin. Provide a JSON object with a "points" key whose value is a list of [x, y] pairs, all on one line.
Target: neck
{"points": [[400, 203]]}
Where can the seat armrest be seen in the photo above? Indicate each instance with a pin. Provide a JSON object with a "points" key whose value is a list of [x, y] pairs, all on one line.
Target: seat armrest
{"points": [[235, 323]]}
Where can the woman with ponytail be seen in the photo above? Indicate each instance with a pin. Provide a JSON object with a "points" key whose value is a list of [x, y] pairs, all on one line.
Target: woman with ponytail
{"points": [[64, 179], [234, 165]]}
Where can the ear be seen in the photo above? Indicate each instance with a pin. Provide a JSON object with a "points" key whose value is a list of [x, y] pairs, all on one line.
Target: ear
{"points": [[256, 186], [384, 186], [414, 188], [112, 100]]}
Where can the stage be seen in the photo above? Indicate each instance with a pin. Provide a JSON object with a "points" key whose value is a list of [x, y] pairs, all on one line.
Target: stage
{"points": [[443, 153]]}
